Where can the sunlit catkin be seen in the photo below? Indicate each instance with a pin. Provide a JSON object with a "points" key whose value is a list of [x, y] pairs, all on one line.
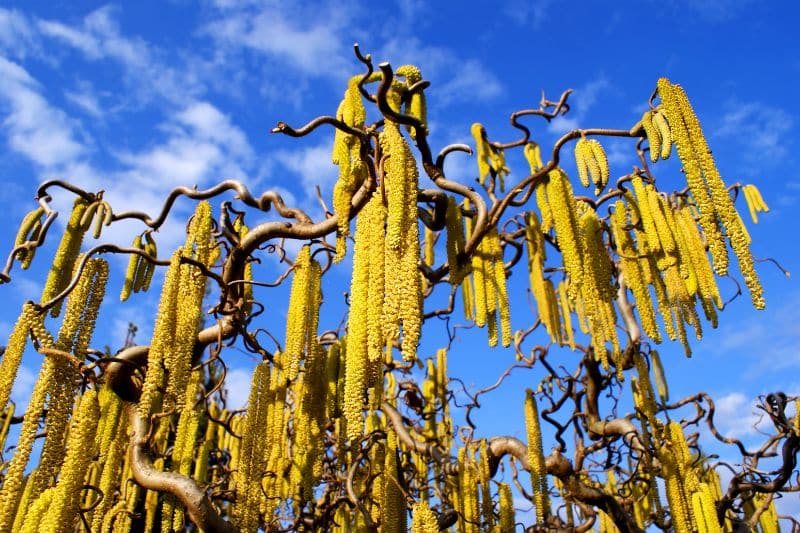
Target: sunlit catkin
{"points": [[163, 337], [63, 514], [534, 245], [297, 312], [28, 231], [423, 520], [9, 364], [755, 203], [536, 459], [689, 143], [661, 124], [415, 105], [356, 360], [562, 204], [248, 475], [402, 304], [455, 240], [64, 261], [393, 503], [631, 269], [653, 135], [347, 155]]}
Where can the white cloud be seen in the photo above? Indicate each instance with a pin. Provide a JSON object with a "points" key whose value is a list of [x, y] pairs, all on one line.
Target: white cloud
{"points": [[209, 123], [237, 383], [307, 41], [39, 131], [98, 37], [736, 415], [759, 128], [470, 81], [17, 37], [581, 101], [453, 78], [86, 100], [312, 165]]}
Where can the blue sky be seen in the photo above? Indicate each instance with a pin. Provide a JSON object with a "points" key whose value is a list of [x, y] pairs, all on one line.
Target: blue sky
{"points": [[138, 97]]}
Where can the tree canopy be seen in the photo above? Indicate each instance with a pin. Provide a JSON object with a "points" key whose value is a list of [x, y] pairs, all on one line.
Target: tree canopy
{"points": [[362, 427]]}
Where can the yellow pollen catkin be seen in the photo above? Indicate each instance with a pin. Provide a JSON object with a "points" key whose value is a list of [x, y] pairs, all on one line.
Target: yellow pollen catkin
{"points": [[541, 499], [562, 204], [64, 261]]}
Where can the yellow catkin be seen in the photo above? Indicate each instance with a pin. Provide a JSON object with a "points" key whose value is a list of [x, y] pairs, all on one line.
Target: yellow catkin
{"points": [[755, 202], [64, 261], [28, 231], [631, 269], [9, 365], [541, 499], [73, 337], [661, 379], [507, 515], [423, 520], [36, 519], [599, 154], [503, 307], [663, 231], [415, 105], [660, 122], [455, 240], [565, 220], [393, 504], [566, 314], [347, 155], [723, 205], [298, 311], [689, 142], [653, 135], [597, 291], [643, 210], [537, 256], [191, 289], [356, 360], [706, 282], [163, 337], [402, 307], [133, 267], [63, 513], [248, 475], [582, 156], [482, 151], [374, 214]]}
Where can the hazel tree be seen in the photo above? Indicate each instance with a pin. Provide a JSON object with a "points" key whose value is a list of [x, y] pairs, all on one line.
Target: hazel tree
{"points": [[357, 428]]}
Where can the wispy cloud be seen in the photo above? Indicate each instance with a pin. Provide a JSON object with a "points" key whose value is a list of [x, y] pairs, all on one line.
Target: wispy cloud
{"points": [[306, 40], [312, 165], [147, 74], [17, 36], [35, 129], [758, 128], [736, 415], [581, 100], [527, 13]]}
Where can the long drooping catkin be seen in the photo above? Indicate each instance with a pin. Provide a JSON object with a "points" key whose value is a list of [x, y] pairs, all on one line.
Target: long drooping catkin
{"points": [[631, 269], [565, 220], [64, 261], [536, 459], [402, 304], [163, 337], [542, 292], [63, 514], [248, 475]]}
